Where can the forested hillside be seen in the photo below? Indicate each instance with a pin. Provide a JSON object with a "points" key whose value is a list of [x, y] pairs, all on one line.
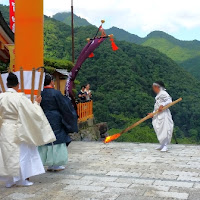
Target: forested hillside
{"points": [[185, 53], [5, 11], [122, 87], [123, 35], [66, 18], [121, 82]]}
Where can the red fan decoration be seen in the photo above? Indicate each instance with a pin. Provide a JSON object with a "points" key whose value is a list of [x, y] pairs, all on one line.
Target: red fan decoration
{"points": [[91, 55], [114, 46]]}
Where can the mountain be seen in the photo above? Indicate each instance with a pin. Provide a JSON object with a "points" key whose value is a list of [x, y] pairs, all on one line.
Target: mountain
{"points": [[185, 53], [121, 82], [66, 18], [123, 35]]}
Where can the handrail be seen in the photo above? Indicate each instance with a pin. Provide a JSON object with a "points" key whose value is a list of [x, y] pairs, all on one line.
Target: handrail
{"points": [[85, 111]]}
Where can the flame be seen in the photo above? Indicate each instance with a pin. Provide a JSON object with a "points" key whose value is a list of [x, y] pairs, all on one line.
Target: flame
{"points": [[111, 138]]}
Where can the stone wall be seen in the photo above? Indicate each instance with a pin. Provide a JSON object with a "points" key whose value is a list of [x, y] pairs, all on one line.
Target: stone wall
{"points": [[90, 131]]}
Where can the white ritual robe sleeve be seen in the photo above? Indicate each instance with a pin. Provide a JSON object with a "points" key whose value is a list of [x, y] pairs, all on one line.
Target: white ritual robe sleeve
{"points": [[165, 99], [34, 127]]}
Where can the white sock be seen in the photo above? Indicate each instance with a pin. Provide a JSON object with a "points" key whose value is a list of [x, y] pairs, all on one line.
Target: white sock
{"points": [[10, 183], [164, 149], [24, 183]]}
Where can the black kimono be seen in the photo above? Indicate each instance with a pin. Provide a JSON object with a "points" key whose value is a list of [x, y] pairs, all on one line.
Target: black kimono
{"points": [[60, 113]]}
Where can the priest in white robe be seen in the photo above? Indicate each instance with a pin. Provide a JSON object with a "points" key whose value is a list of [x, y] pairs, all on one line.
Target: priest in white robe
{"points": [[162, 122], [23, 126]]}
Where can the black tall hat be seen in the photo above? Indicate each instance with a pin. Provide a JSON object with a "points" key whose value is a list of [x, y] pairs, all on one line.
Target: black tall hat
{"points": [[12, 80], [48, 79]]}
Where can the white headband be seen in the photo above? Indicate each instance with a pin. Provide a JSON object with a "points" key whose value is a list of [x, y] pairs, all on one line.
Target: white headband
{"points": [[156, 84]]}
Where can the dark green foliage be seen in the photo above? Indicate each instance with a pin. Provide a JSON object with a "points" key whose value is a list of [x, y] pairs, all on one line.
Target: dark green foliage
{"points": [[52, 64], [66, 18], [185, 53], [5, 12], [58, 64], [56, 39], [193, 66], [49, 69], [3, 66]]}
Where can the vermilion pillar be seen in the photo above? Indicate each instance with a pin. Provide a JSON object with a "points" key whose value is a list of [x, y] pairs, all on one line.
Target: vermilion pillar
{"points": [[29, 34]]}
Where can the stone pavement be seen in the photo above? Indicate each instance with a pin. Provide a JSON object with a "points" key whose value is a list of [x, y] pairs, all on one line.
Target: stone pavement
{"points": [[118, 171]]}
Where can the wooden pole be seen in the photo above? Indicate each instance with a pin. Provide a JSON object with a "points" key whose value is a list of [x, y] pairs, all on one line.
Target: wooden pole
{"points": [[58, 80], [22, 79], [33, 85], [41, 82], [114, 137], [149, 116], [1, 83], [72, 27]]}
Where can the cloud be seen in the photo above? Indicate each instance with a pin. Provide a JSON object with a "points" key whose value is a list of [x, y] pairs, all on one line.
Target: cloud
{"points": [[147, 15], [5, 2], [133, 15]]}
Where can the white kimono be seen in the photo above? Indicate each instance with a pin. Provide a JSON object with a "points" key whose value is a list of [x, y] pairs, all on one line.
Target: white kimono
{"points": [[23, 126], [162, 122]]}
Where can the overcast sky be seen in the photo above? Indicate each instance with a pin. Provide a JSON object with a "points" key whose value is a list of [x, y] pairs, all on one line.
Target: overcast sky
{"points": [[180, 18]]}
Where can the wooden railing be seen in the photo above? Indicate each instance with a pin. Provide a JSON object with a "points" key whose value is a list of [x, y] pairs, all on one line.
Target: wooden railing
{"points": [[85, 111]]}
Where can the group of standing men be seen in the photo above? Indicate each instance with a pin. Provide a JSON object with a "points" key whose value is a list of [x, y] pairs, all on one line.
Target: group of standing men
{"points": [[24, 126]]}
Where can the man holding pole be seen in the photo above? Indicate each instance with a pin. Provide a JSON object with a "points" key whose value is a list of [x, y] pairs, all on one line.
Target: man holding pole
{"points": [[162, 122], [162, 119]]}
